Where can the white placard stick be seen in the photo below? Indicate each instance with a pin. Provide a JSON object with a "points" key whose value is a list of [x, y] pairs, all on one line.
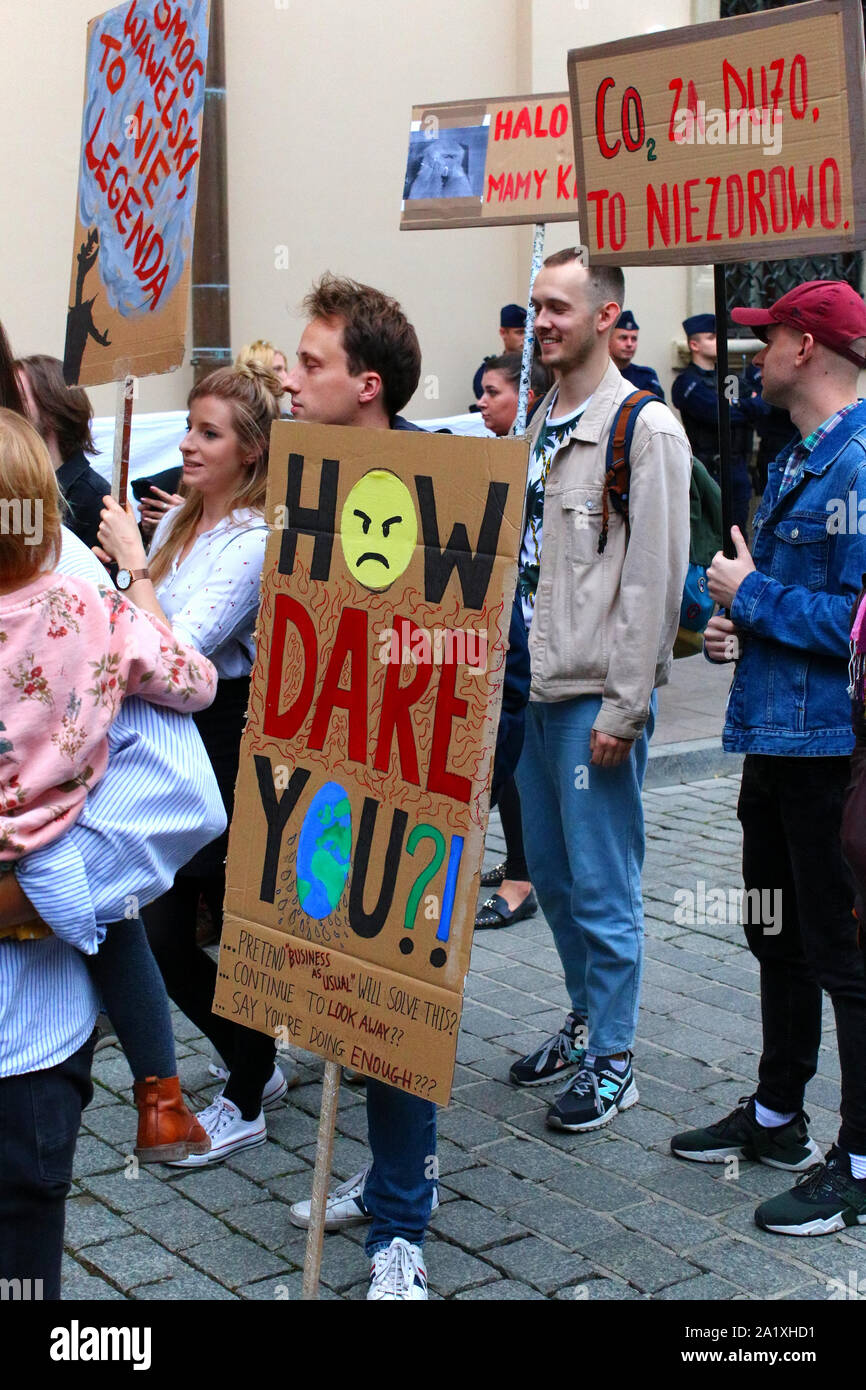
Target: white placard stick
{"points": [[529, 334]]}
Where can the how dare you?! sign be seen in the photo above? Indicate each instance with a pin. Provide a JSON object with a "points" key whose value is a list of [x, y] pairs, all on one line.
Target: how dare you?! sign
{"points": [[362, 796]]}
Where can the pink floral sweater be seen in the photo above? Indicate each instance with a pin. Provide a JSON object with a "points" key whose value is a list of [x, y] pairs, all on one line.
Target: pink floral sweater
{"points": [[69, 653]]}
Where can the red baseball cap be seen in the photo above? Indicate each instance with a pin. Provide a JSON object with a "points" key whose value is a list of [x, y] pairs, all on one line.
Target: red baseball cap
{"points": [[830, 310]]}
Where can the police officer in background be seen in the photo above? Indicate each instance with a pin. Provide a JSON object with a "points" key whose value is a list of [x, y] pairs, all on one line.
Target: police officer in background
{"points": [[512, 326], [695, 397], [623, 346]]}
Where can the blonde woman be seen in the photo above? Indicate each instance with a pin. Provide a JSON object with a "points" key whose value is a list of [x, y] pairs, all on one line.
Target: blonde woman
{"points": [[269, 356], [203, 578]]}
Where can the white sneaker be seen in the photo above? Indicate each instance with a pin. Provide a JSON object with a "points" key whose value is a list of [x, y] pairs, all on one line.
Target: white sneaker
{"points": [[397, 1273], [275, 1089], [228, 1132], [344, 1206]]}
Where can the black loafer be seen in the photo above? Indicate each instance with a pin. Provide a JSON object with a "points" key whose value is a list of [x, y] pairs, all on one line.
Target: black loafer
{"points": [[493, 877], [495, 912]]}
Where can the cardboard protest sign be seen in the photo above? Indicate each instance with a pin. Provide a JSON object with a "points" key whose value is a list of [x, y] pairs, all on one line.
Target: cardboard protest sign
{"points": [[144, 96], [740, 139], [362, 796], [490, 163]]}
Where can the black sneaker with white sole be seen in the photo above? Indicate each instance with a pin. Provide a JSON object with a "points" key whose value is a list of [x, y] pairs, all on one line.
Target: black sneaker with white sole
{"points": [[593, 1097], [559, 1056], [827, 1199], [739, 1135]]}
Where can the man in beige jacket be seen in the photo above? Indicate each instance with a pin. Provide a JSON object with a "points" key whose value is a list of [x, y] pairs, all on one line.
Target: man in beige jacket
{"points": [[601, 599]]}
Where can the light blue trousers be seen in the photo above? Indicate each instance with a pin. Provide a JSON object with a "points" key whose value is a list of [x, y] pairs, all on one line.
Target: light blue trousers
{"points": [[583, 834]]}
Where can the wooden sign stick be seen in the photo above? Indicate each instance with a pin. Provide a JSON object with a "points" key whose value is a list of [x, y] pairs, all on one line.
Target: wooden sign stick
{"points": [[529, 334], [126, 391], [321, 1178]]}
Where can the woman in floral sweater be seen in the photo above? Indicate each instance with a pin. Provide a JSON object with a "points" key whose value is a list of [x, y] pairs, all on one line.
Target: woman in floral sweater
{"points": [[202, 575], [69, 653]]}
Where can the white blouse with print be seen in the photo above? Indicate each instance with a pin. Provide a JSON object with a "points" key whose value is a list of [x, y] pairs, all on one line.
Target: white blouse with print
{"points": [[211, 599]]}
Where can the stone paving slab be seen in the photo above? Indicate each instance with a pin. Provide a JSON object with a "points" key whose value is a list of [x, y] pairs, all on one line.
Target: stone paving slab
{"points": [[473, 1226], [527, 1213], [542, 1264], [186, 1287]]}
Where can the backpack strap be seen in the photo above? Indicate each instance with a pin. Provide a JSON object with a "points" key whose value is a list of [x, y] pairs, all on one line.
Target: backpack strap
{"points": [[617, 465]]}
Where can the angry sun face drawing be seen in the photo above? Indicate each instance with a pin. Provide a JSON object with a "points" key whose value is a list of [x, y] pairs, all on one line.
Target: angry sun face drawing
{"points": [[378, 529]]}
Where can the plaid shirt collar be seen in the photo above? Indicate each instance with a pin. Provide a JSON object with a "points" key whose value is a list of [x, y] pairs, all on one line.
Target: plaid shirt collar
{"points": [[797, 459]]}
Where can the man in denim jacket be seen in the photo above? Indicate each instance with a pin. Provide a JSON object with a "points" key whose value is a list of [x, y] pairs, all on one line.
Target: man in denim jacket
{"points": [[789, 712]]}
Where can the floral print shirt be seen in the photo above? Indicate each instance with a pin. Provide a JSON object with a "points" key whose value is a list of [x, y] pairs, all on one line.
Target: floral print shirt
{"points": [[69, 653], [555, 434]]}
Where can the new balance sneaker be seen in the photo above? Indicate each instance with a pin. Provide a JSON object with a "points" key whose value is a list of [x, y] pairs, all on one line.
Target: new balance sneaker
{"points": [[558, 1057], [228, 1132], [398, 1273], [344, 1206], [825, 1200], [275, 1089], [593, 1097], [739, 1135]]}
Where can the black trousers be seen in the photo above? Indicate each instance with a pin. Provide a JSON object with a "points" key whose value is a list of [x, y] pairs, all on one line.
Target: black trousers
{"points": [[190, 979], [512, 829], [189, 973], [791, 813], [40, 1115]]}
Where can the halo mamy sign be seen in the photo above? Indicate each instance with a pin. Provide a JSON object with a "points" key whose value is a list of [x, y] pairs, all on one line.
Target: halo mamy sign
{"points": [[362, 795], [739, 139], [138, 180], [490, 163]]}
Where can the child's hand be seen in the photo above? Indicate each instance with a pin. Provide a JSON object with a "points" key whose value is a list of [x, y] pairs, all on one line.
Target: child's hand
{"points": [[118, 537]]}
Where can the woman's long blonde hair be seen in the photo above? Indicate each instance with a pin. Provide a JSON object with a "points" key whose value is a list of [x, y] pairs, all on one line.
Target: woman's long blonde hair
{"points": [[259, 351], [252, 392], [30, 515]]}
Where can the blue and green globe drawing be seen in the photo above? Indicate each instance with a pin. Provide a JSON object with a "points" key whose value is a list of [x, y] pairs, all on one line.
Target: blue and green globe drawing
{"points": [[324, 851]]}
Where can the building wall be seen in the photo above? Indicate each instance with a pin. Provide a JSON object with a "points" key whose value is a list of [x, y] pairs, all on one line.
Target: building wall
{"points": [[319, 100], [656, 295]]}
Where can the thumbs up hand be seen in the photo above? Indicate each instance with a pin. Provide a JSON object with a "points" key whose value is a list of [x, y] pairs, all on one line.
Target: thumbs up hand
{"points": [[724, 576]]}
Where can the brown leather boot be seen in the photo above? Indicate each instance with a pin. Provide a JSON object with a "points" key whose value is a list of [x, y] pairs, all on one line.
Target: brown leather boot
{"points": [[167, 1131]]}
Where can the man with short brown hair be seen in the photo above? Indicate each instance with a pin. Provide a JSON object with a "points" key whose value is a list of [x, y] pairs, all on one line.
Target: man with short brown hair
{"points": [[358, 364]]}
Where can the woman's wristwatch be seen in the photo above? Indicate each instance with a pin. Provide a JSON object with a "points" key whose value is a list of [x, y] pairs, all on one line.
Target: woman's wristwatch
{"points": [[127, 577]]}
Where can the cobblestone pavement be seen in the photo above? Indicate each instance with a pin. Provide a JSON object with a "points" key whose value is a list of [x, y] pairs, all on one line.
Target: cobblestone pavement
{"points": [[527, 1213]]}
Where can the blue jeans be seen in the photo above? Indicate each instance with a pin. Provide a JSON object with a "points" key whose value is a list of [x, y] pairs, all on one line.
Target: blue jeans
{"points": [[398, 1192], [583, 833], [40, 1115]]}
